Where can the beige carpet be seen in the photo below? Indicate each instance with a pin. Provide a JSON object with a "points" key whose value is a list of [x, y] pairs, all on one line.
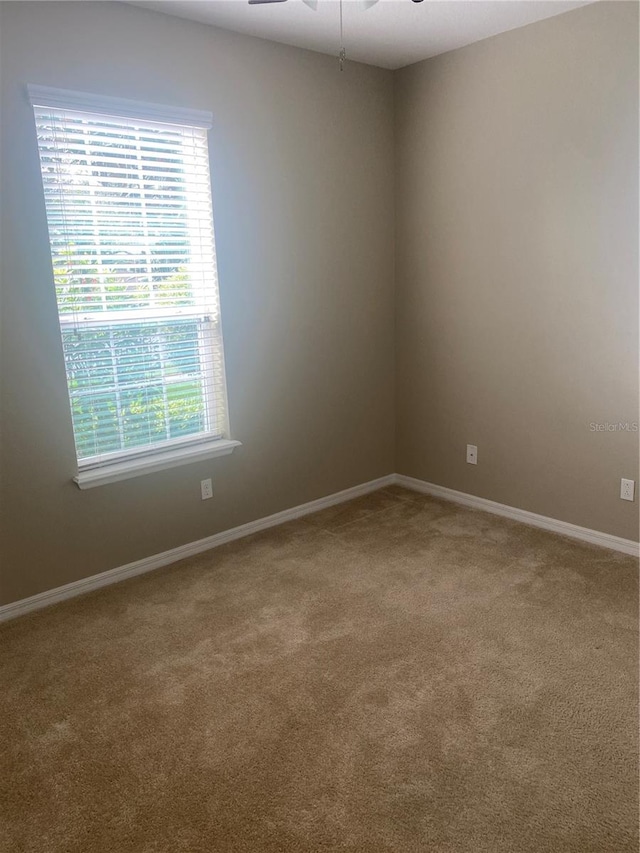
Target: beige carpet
{"points": [[394, 674]]}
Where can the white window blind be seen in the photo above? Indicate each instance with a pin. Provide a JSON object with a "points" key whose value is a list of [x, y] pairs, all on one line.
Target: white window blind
{"points": [[128, 201]]}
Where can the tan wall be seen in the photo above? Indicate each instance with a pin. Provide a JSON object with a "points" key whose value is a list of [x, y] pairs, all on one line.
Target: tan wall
{"points": [[517, 266], [302, 172]]}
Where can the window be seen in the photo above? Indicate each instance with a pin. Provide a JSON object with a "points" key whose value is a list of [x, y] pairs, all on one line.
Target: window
{"points": [[128, 200]]}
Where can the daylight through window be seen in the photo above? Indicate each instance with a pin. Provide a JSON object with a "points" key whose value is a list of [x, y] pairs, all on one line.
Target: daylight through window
{"points": [[129, 211]]}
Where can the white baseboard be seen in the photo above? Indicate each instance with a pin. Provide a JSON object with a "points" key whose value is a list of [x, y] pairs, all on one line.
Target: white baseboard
{"points": [[148, 564], [594, 537]]}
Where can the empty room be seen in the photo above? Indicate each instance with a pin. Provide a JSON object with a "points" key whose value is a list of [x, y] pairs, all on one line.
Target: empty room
{"points": [[319, 426]]}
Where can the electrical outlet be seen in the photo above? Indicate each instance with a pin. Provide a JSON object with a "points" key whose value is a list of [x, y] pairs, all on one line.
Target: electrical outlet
{"points": [[206, 489], [472, 454], [627, 489]]}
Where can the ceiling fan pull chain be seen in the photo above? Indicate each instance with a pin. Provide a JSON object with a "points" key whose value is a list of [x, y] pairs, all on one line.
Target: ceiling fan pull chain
{"points": [[343, 53]]}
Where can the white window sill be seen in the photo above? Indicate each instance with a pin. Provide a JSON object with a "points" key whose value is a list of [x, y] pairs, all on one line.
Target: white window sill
{"points": [[153, 462]]}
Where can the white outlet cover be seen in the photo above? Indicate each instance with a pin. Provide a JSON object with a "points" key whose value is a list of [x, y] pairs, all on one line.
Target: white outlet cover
{"points": [[627, 489], [206, 489], [472, 454]]}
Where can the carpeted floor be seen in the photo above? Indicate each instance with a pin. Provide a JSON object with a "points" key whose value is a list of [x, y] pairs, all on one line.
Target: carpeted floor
{"points": [[392, 674]]}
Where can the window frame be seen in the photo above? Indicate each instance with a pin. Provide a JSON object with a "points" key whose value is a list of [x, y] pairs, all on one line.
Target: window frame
{"points": [[125, 463]]}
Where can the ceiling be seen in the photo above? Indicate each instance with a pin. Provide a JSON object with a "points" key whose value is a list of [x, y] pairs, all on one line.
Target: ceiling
{"points": [[391, 34]]}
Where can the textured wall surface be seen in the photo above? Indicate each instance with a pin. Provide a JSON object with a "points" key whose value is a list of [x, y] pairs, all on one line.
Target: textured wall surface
{"points": [[512, 322], [517, 266], [302, 175]]}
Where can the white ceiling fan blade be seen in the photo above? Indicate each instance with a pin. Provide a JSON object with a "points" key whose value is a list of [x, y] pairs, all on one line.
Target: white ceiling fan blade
{"points": [[312, 4]]}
